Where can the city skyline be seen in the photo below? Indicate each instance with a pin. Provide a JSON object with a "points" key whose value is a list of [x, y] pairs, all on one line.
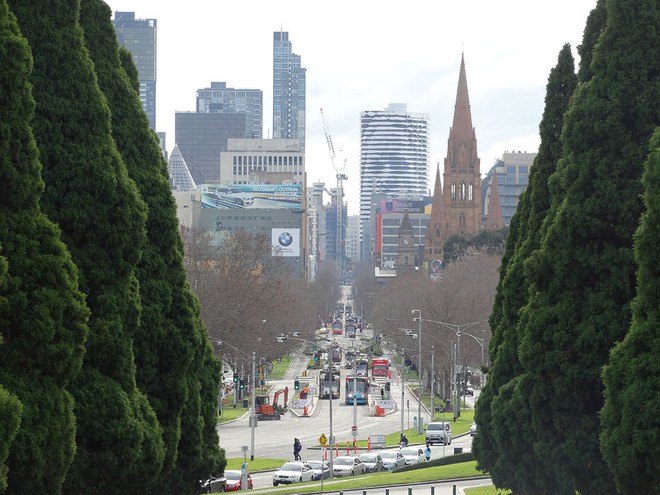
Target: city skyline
{"points": [[369, 59]]}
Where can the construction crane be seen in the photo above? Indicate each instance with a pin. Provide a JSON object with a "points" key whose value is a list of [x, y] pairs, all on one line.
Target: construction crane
{"points": [[339, 202]]}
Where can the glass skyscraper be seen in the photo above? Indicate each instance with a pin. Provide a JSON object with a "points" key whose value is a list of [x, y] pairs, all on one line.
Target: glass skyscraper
{"points": [[138, 36], [289, 90], [394, 155]]}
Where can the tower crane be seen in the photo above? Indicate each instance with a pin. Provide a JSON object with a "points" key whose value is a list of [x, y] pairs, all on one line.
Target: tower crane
{"points": [[341, 176]]}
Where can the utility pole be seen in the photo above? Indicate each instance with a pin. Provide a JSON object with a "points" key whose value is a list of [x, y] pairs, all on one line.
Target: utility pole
{"points": [[253, 418], [403, 386], [432, 383]]}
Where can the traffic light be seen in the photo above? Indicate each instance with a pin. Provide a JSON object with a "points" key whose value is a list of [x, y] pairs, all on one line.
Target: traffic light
{"points": [[317, 356], [235, 377], [387, 386], [242, 385], [296, 385]]}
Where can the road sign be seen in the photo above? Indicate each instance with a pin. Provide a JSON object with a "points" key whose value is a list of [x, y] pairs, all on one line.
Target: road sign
{"points": [[322, 439], [354, 428]]}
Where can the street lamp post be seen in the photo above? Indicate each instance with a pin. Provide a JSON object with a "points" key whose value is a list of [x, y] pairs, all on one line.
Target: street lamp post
{"points": [[403, 387], [420, 428], [253, 419], [432, 383]]}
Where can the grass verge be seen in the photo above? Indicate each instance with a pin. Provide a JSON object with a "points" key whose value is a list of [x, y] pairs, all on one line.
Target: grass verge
{"points": [[486, 490], [234, 463]]}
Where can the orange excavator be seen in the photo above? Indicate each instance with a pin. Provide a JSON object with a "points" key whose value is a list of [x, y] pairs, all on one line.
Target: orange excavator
{"points": [[266, 411]]}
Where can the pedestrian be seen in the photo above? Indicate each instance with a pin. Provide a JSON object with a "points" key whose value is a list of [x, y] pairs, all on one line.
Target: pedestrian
{"points": [[297, 447], [427, 452], [382, 393]]}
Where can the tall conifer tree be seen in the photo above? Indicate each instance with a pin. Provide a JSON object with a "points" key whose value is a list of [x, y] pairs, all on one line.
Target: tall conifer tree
{"points": [[630, 438], [119, 446], [503, 446], [171, 329], [42, 311], [583, 277]]}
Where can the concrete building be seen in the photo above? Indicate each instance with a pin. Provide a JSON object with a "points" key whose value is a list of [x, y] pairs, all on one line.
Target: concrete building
{"points": [[139, 36], [353, 239], [218, 98], [512, 173]]}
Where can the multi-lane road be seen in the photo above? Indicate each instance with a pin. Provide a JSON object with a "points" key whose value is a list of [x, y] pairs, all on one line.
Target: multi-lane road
{"points": [[274, 439]]}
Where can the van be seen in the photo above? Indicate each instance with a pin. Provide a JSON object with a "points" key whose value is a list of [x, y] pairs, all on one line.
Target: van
{"points": [[438, 432]]}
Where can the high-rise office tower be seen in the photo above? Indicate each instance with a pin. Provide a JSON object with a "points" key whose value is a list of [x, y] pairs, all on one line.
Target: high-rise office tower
{"points": [[394, 156], [220, 99], [289, 91], [138, 36]]}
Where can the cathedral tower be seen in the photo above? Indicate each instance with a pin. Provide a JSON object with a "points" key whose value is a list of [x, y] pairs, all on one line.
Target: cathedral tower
{"points": [[462, 175]]}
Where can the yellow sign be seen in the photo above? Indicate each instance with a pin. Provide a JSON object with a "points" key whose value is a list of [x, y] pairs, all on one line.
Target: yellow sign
{"points": [[322, 439]]}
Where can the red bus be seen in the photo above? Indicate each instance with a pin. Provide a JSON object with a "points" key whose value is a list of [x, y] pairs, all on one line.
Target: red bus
{"points": [[337, 327], [380, 368]]}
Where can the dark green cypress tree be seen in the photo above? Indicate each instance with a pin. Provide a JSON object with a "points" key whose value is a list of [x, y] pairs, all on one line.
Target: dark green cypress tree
{"points": [[171, 328], [630, 438], [42, 311], [594, 28], [119, 446], [505, 448], [583, 277]]}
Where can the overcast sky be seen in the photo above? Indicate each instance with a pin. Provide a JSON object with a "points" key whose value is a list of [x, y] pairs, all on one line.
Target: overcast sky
{"points": [[362, 55]]}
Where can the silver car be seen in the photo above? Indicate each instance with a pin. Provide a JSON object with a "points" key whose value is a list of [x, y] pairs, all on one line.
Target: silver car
{"points": [[293, 472], [413, 455], [373, 462], [392, 459], [346, 465]]}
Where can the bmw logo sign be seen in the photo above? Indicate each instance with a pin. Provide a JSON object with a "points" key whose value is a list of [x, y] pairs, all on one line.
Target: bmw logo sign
{"points": [[285, 239]]}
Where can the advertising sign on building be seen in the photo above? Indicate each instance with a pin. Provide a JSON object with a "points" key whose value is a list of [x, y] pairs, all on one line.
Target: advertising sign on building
{"points": [[286, 242], [401, 205], [288, 196]]}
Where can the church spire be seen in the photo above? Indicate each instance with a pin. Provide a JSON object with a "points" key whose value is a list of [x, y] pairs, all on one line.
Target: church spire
{"points": [[462, 168], [494, 218], [434, 239]]}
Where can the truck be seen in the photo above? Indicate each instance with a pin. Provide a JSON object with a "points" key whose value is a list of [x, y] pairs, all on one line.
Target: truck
{"points": [[380, 367], [264, 410]]}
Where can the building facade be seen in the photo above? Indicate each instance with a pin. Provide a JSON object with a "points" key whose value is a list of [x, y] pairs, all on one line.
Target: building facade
{"points": [[255, 161], [289, 91], [139, 36], [201, 137], [512, 173], [218, 98], [394, 158]]}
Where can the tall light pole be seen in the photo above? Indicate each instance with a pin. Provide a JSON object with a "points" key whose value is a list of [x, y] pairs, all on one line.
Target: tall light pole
{"points": [[432, 383], [420, 428], [403, 386], [253, 419]]}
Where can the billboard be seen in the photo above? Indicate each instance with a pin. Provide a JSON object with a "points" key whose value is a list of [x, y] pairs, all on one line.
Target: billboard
{"points": [[285, 242], [251, 196], [401, 205]]}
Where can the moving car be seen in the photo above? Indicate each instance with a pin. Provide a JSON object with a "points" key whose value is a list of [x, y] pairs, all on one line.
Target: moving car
{"points": [[373, 462], [293, 472], [438, 432], [473, 429], [413, 455], [469, 391], [321, 469], [234, 481], [392, 459], [346, 465]]}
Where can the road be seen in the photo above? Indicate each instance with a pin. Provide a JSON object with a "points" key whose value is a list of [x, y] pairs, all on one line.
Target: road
{"points": [[274, 439]]}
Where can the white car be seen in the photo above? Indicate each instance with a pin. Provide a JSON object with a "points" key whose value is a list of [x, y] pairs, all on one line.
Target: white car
{"points": [[234, 195], [392, 459], [473, 429], [413, 455], [346, 465], [293, 472]]}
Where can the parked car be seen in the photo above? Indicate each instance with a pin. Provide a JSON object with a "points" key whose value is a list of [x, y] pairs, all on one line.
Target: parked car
{"points": [[438, 432], [373, 462], [234, 195], [234, 481], [321, 469], [473, 429], [347, 465], [214, 485], [469, 391], [392, 459], [293, 472], [413, 455]]}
